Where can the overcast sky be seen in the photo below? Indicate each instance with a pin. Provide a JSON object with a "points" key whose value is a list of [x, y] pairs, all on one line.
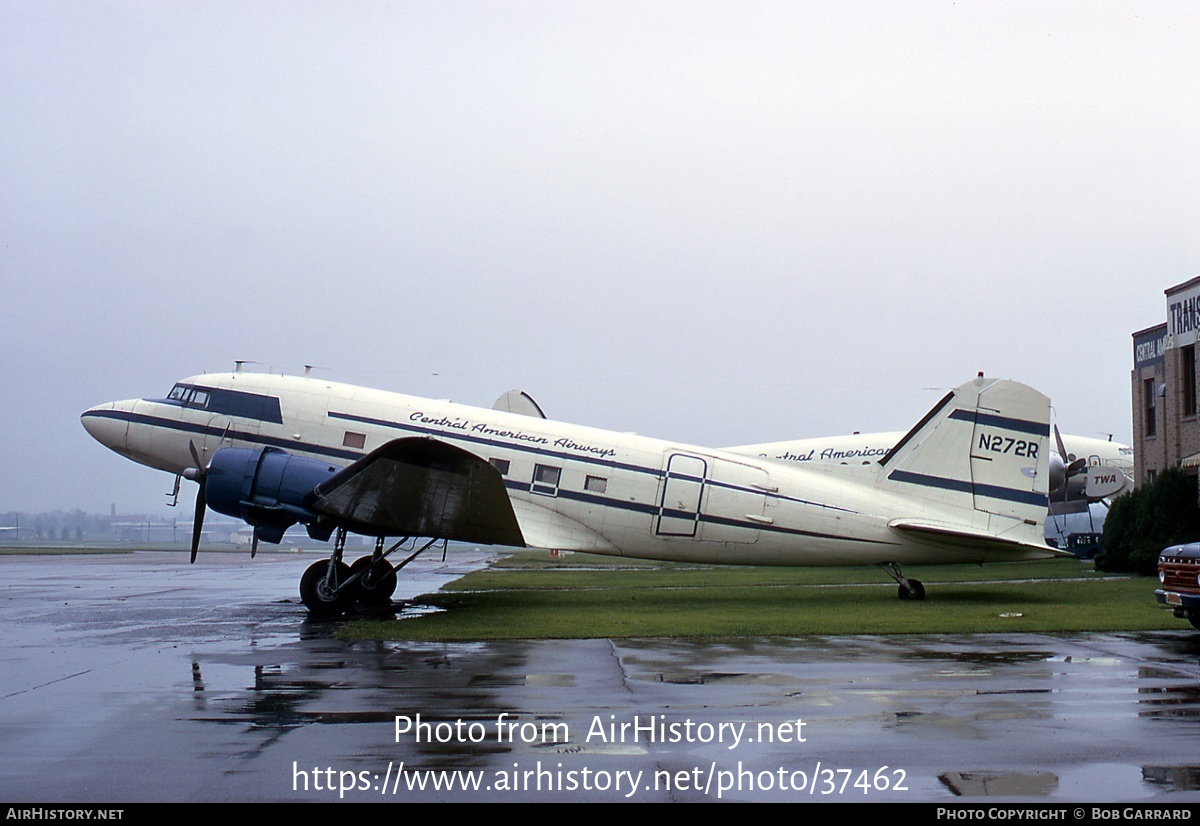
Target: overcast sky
{"points": [[719, 222]]}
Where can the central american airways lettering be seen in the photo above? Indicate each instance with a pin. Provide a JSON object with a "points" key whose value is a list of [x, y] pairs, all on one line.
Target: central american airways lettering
{"points": [[441, 421], [488, 430], [484, 429], [598, 451], [833, 453]]}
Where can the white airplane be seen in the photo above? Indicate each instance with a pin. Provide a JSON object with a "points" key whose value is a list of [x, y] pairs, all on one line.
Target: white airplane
{"points": [[968, 484]]}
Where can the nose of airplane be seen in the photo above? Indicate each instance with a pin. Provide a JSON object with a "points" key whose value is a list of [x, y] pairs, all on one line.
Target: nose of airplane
{"points": [[108, 424]]}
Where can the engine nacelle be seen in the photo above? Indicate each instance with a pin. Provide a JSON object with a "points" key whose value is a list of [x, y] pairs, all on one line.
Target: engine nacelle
{"points": [[265, 487], [1058, 474]]}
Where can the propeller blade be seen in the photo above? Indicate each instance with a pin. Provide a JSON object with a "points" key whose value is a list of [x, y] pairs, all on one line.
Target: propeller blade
{"points": [[254, 544], [198, 520], [1062, 450]]}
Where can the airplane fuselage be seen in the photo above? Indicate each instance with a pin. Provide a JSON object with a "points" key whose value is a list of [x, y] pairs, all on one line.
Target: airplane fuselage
{"points": [[573, 487]]}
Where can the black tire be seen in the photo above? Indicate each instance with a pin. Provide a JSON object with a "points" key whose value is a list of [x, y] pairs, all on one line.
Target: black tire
{"points": [[378, 582], [315, 594], [915, 591], [1195, 621]]}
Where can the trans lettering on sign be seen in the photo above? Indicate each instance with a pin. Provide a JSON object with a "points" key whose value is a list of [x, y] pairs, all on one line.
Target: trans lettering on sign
{"points": [[1184, 316]]}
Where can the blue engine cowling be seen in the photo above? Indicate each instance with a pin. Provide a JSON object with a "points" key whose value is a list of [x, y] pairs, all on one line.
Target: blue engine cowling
{"points": [[265, 487]]}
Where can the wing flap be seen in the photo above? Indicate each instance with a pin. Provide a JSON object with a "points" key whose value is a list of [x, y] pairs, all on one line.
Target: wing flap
{"points": [[421, 487]]}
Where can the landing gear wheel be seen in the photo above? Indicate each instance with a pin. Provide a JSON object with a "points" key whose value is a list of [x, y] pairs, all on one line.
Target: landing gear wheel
{"points": [[378, 582], [914, 592], [316, 593]]}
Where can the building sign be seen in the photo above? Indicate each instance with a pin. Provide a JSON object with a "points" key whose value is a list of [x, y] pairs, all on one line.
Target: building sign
{"points": [[1183, 315], [1148, 347]]}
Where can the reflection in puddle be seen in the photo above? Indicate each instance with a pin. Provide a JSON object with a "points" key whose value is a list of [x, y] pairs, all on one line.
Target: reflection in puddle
{"points": [[378, 681], [985, 658], [1000, 784], [1169, 697], [1175, 778], [686, 677]]}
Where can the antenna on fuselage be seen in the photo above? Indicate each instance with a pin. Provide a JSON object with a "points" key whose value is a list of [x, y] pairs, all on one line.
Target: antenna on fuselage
{"points": [[237, 364]]}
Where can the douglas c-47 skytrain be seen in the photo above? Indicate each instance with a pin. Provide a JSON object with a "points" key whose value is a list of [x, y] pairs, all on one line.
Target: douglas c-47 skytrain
{"points": [[968, 483]]}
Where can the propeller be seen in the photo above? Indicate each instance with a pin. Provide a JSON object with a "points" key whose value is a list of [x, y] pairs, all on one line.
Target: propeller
{"points": [[1076, 466], [1071, 467], [198, 473]]}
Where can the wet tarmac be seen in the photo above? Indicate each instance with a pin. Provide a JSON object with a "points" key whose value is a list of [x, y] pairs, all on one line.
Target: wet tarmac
{"points": [[140, 678]]}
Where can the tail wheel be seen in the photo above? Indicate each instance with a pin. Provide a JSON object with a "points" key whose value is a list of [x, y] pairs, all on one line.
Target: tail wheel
{"points": [[915, 591], [321, 596], [378, 581]]}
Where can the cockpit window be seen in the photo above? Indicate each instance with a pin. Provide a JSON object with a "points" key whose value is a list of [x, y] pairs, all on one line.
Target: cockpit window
{"points": [[229, 402], [188, 396]]}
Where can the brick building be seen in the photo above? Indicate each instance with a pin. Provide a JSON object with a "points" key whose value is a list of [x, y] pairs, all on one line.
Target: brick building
{"points": [[1166, 427]]}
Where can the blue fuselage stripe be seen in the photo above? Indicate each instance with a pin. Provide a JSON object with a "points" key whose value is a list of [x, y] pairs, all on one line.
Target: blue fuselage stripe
{"points": [[240, 435], [1024, 497], [1002, 422]]}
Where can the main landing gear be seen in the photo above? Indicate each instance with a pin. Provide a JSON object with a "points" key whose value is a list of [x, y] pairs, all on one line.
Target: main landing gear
{"points": [[910, 589], [330, 587]]}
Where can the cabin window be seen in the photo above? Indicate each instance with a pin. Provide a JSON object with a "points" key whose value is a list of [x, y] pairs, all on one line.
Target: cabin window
{"points": [[596, 484], [354, 440], [1188, 378], [545, 479], [1148, 407], [501, 465]]}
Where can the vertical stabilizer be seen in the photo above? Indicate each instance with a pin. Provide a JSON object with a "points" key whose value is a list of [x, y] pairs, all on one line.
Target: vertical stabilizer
{"points": [[979, 459]]}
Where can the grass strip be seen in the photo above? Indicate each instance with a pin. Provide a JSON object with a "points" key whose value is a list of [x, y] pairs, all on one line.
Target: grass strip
{"points": [[49, 550], [530, 598]]}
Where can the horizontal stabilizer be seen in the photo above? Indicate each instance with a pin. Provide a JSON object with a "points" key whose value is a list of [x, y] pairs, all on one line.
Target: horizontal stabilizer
{"points": [[421, 487], [933, 529]]}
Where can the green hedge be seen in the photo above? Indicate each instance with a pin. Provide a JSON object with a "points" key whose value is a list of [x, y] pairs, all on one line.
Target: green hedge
{"points": [[1144, 521]]}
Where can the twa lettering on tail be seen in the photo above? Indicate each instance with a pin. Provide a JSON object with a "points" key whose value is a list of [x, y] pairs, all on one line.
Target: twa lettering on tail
{"points": [[969, 483]]}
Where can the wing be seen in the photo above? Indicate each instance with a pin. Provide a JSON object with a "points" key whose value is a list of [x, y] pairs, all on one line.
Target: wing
{"points": [[421, 487]]}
